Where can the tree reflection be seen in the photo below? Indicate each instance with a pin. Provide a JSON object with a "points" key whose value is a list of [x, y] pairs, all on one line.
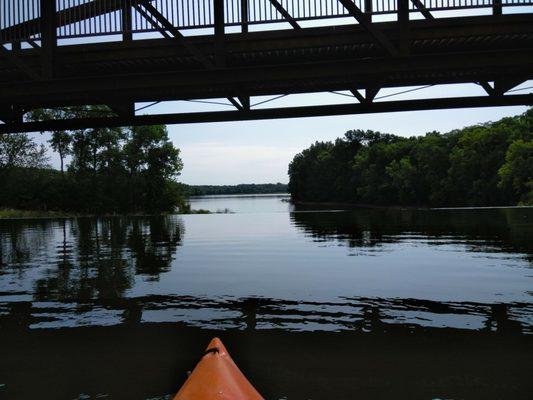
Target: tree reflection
{"points": [[22, 242], [99, 258], [501, 230], [153, 245]]}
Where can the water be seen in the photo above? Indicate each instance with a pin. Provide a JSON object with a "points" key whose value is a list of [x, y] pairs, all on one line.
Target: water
{"points": [[313, 303]]}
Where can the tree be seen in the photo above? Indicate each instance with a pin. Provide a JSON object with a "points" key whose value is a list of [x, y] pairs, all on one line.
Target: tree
{"points": [[60, 140], [153, 162], [111, 170], [516, 174], [487, 164], [60, 143], [19, 150], [404, 178]]}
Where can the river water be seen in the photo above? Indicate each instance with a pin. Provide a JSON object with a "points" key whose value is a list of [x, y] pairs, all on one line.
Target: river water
{"points": [[312, 302]]}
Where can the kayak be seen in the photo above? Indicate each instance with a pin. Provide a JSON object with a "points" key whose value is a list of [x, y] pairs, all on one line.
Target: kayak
{"points": [[217, 377]]}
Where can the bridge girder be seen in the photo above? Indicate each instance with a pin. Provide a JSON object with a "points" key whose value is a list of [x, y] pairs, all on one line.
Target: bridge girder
{"points": [[441, 51]]}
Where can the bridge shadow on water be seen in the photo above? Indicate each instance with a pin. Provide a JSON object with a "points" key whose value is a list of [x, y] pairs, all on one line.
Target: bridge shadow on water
{"points": [[296, 350]]}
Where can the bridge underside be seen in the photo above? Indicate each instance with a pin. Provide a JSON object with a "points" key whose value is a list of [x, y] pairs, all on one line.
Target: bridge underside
{"points": [[495, 52]]}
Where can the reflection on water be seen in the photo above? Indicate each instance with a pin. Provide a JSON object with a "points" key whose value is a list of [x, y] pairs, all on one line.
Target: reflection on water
{"points": [[483, 230], [250, 314], [420, 280]]}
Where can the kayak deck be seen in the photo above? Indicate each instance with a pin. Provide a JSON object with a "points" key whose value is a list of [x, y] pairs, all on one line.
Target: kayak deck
{"points": [[217, 377]]}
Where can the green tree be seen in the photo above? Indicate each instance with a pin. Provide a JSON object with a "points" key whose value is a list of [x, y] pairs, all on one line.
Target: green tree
{"points": [[19, 150], [487, 164], [60, 140], [517, 173], [153, 162]]}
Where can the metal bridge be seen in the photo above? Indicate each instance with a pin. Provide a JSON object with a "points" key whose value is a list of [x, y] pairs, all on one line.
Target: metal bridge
{"points": [[60, 53]]}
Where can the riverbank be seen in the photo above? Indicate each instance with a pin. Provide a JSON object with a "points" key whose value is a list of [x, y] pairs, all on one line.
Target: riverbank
{"points": [[11, 213]]}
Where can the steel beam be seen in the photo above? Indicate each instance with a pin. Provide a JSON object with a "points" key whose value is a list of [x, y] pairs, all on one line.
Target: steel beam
{"points": [[127, 27], [219, 37], [423, 10], [277, 79], [19, 63], [285, 14], [272, 113], [48, 37]]}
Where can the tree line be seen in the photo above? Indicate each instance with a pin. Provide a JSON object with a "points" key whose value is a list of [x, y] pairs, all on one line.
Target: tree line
{"points": [[245, 188], [103, 170], [483, 165]]}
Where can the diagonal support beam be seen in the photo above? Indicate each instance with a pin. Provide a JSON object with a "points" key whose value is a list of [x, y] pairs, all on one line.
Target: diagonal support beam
{"points": [[370, 93], [33, 43], [357, 94], [285, 14], [124, 110], [422, 8], [501, 87], [11, 114], [148, 11], [362, 18], [245, 101], [236, 104], [152, 19], [489, 89]]}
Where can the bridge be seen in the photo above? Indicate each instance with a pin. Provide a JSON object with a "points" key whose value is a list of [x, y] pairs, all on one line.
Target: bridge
{"points": [[247, 54]]}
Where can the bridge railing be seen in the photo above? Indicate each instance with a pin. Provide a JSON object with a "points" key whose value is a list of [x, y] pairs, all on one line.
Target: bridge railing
{"points": [[21, 20]]}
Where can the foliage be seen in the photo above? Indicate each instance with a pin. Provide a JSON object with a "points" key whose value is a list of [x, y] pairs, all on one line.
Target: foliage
{"points": [[110, 170], [19, 150], [517, 172], [488, 164]]}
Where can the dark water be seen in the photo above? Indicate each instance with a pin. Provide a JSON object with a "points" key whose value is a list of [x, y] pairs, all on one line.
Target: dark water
{"points": [[313, 304]]}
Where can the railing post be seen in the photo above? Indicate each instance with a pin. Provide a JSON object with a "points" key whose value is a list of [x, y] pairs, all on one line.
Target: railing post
{"points": [[219, 32], [368, 9], [497, 8], [48, 36], [126, 21], [403, 21], [244, 16]]}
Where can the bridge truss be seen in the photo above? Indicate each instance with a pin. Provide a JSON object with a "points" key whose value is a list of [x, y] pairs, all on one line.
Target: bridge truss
{"points": [[60, 53]]}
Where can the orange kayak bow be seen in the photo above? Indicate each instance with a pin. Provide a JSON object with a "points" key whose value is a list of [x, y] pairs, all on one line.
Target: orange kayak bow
{"points": [[217, 377]]}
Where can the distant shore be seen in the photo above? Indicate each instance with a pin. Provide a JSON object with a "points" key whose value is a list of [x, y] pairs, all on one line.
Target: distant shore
{"points": [[400, 207]]}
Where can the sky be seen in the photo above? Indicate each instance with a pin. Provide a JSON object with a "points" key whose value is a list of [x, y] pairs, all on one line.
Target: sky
{"points": [[260, 151]]}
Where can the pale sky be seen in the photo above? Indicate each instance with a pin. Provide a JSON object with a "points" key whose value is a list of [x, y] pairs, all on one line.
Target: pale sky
{"points": [[260, 151]]}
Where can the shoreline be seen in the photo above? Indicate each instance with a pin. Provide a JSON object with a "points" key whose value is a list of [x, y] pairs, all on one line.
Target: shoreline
{"points": [[398, 207], [15, 214]]}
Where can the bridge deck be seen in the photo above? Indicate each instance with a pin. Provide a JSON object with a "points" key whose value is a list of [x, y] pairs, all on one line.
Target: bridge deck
{"points": [[361, 58]]}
